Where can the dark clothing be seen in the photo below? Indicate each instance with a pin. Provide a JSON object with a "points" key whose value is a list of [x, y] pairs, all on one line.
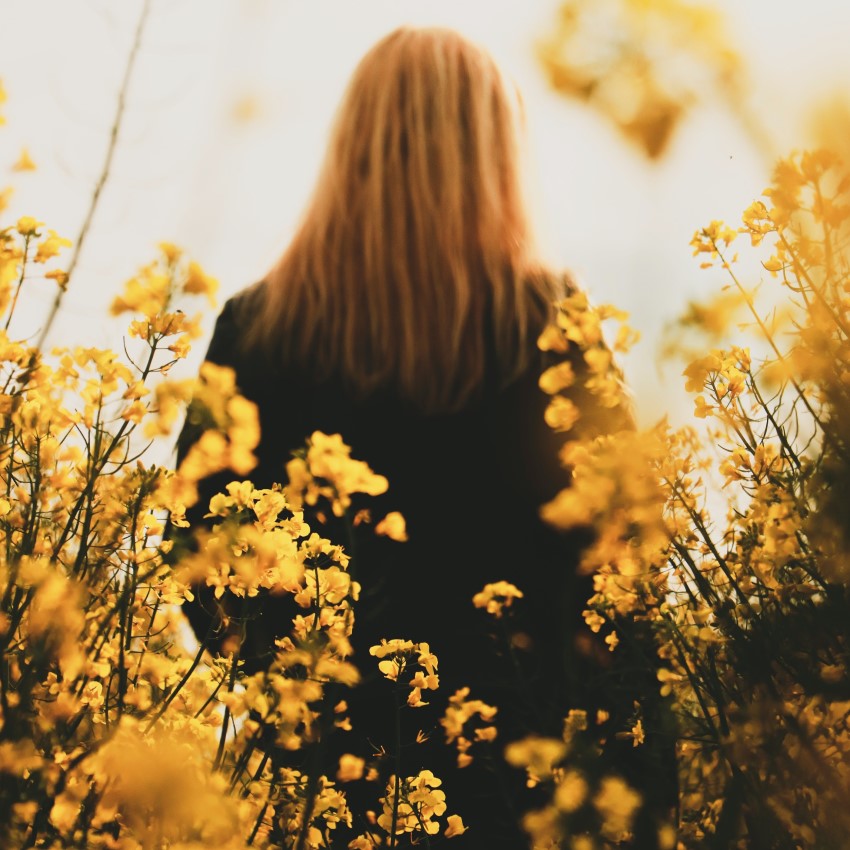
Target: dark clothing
{"points": [[469, 485]]}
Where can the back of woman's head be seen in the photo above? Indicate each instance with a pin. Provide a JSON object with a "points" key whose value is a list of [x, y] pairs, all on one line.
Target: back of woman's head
{"points": [[413, 265]]}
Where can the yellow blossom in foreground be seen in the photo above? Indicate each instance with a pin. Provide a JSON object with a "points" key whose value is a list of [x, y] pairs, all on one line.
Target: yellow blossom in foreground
{"points": [[164, 773], [561, 413], [571, 791], [557, 378], [617, 803], [537, 755], [328, 470]]}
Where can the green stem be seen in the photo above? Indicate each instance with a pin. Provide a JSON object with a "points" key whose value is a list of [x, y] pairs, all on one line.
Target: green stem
{"points": [[397, 757], [219, 756], [20, 281]]}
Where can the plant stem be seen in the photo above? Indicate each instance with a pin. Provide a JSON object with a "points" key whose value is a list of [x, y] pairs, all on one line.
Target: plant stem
{"points": [[104, 174]]}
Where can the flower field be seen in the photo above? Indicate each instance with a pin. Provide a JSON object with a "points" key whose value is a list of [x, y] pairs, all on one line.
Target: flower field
{"points": [[723, 546]]}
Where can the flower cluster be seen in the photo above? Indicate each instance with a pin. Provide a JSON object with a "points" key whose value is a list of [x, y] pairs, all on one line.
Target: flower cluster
{"points": [[102, 731], [326, 469], [719, 554], [594, 811], [760, 599], [460, 726], [497, 596], [399, 658], [642, 63], [731, 544], [413, 805]]}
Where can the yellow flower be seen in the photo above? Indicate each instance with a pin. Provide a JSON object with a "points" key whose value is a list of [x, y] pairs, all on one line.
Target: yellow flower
{"points": [[553, 339], [426, 659], [454, 826], [199, 283], [617, 803], [413, 804], [574, 722], [707, 240], [171, 252], [25, 162], [457, 722], [147, 294], [571, 791], [350, 768], [181, 347], [641, 63], [135, 411], [27, 225], [593, 619], [392, 526], [557, 378], [391, 668], [50, 246], [60, 276], [638, 734], [496, 596], [561, 413], [537, 755]]}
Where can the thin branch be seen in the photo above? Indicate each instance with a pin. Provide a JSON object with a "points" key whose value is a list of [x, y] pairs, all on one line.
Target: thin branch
{"points": [[104, 174]]}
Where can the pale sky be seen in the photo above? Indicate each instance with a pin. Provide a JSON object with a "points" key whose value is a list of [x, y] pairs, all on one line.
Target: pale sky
{"points": [[228, 189]]}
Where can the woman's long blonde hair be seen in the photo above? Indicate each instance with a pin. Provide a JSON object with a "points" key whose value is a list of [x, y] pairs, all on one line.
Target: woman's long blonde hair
{"points": [[413, 266]]}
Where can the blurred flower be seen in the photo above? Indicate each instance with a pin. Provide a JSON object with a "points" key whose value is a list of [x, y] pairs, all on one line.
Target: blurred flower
{"points": [[496, 596], [393, 526], [642, 63], [24, 162]]}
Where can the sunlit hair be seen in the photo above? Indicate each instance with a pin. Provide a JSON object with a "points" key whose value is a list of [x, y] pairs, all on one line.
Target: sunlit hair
{"points": [[413, 265]]}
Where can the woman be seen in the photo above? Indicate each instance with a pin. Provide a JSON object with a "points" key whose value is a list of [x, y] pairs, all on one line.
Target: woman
{"points": [[404, 315]]}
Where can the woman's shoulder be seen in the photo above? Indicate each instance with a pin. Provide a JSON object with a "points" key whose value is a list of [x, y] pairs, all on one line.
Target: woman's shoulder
{"points": [[241, 308], [233, 323]]}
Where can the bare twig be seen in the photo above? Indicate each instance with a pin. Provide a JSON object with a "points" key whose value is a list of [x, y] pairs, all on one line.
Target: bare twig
{"points": [[104, 174]]}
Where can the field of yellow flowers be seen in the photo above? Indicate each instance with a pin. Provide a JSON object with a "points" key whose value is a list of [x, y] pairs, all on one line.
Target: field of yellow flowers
{"points": [[114, 733]]}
